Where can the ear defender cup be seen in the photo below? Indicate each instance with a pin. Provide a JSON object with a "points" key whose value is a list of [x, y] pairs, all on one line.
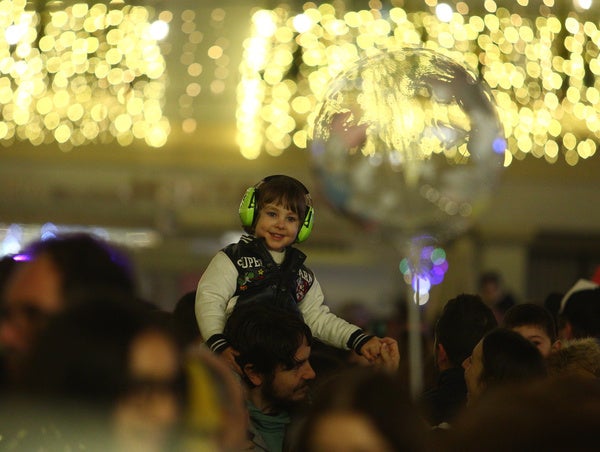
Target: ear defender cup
{"points": [[248, 209], [307, 225]]}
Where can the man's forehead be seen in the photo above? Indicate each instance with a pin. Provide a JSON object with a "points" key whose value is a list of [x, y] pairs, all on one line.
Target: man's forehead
{"points": [[303, 351], [36, 283]]}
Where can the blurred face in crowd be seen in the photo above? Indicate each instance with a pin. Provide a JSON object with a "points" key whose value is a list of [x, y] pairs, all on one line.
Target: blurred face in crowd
{"points": [[32, 294], [290, 385], [146, 414], [473, 366], [538, 337], [346, 432]]}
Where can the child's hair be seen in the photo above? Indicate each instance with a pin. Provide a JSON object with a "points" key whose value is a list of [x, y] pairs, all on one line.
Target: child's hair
{"points": [[290, 192], [531, 314]]}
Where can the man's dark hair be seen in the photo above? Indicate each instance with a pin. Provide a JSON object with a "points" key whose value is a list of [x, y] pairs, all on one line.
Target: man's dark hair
{"points": [[464, 320], [87, 265], [582, 311], [184, 321], [525, 314], [508, 357], [265, 336]]}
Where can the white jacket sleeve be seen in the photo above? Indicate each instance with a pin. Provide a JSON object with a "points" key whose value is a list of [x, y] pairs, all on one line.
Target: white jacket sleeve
{"points": [[215, 288], [325, 325]]}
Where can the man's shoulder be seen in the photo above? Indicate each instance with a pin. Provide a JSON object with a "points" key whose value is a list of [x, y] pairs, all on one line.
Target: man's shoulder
{"points": [[258, 442], [443, 401]]}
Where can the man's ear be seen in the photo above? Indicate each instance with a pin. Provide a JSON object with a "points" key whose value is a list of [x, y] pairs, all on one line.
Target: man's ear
{"points": [[557, 345], [252, 375], [566, 333], [441, 357]]}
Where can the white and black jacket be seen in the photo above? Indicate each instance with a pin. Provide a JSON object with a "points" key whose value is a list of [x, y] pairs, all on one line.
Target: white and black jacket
{"points": [[247, 270]]}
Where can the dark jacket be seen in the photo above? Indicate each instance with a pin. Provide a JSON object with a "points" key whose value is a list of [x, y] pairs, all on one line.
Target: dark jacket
{"points": [[260, 278], [443, 402]]}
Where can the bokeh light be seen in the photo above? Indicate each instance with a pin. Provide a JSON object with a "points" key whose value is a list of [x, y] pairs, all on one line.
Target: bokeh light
{"points": [[424, 270], [540, 59], [58, 65]]}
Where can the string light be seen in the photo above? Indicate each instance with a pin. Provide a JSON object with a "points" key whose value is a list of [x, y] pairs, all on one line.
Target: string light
{"points": [[542, 65], [75, 73]]}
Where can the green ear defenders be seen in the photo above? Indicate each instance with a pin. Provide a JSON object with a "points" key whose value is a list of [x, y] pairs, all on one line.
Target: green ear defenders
{"points": [[248, 209]]}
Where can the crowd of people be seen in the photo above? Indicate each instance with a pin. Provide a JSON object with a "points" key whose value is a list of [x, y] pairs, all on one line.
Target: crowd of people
{"points": [[253, 360]]}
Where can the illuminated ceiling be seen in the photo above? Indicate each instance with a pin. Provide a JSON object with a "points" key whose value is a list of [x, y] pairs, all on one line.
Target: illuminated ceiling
{"points": [[93, 72], [189, 187]]}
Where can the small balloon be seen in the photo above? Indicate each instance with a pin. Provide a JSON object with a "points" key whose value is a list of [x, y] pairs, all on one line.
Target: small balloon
{"points": [[410, 141]]}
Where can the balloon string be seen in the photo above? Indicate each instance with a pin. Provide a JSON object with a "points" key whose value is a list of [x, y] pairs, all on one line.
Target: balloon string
{"points": [[414, 342]]}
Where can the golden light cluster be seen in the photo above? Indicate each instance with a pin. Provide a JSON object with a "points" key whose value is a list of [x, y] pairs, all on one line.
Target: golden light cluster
{"points": [[201, 62], [81, 73], [542, 64]]}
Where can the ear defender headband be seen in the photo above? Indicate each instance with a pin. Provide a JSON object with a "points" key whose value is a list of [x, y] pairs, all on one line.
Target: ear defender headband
{"points": [[249, 208]]}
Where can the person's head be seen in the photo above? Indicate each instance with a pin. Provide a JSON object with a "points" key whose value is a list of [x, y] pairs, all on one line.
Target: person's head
{"points": [[278, 209], [535, 323], [8, 265], [552, 303], [58, 272], [184, 320], [114, 357], [580, 314], [502, 357], [464, 320], [490, 286], [362, 410], [554, 414], [274, 347]]}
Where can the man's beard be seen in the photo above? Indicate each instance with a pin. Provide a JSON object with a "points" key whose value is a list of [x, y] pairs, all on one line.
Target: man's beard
{"points": [[280, 403]]}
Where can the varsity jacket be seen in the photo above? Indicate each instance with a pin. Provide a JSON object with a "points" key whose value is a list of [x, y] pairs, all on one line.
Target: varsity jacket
{"points": [[248, 270]]}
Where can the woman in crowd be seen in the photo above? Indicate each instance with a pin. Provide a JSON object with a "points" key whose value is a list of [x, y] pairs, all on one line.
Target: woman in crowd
{"points": [[502, 357]]}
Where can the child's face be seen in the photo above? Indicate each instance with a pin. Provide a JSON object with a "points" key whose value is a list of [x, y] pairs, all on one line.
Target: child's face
{"points": [[537, 336], [277, 225]]}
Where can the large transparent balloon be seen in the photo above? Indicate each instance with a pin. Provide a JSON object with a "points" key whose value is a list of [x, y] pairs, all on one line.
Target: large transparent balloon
{"points": [[408, 141]]}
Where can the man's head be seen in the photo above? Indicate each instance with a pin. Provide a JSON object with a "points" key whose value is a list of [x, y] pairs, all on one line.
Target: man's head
{"points": [[58, 272], [535, 323], [462, 323], [580, 314], [274, 348]]}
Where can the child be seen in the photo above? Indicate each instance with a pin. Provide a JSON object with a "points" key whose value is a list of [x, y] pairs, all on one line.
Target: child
{"points": [[536, 324], [264, 266]]}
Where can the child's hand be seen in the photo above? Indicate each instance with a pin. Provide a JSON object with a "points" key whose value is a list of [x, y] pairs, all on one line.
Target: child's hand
{"points": [[229, 355], [389, 358], [371, 349]]}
